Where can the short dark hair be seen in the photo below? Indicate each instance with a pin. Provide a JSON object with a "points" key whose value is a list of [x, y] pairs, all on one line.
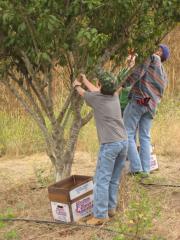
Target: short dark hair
{"points": [[162, 59], [107, 92]]}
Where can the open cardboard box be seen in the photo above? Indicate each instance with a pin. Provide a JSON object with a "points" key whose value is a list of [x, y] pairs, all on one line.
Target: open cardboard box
{"points": [[72, 198]]}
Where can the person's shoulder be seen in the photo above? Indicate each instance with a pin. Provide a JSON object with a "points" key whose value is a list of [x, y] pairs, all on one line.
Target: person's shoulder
{"points": [[91, 95], [155, 58]]}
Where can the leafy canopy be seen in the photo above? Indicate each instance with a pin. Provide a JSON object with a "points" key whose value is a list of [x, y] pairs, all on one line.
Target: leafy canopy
{"points": [[81, 31]]}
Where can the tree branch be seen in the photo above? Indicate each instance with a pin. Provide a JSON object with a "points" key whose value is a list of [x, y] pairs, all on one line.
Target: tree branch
{"points": [[70, 146], [65, 107], [70, 66], [48, 77], [29, 96], [87, 118], [37, 90], [25, 105], [108, 53], [66, 118], [47, 136], [164, 35]]}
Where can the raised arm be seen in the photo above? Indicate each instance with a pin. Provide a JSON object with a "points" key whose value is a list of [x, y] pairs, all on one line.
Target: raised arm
{"points": [[91, 87], [136, 74], [130, 62]]}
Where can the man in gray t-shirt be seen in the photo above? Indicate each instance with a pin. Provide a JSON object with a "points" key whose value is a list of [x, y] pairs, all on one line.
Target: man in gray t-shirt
{"points": [[107, 114], [113, 144]]}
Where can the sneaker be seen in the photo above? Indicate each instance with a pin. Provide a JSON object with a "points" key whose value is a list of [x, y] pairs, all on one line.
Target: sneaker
{"points": [[139, 174], [134, 173], [111, 213], [144, 175], [97, 221]]}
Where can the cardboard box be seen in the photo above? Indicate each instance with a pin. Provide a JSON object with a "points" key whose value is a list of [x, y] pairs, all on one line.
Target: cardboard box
{"points": [[153, 159], [153, 163], [72, 198]]}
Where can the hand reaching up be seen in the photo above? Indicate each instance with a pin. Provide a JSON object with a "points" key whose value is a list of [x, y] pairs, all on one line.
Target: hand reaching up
{"points": [[130, 60]]}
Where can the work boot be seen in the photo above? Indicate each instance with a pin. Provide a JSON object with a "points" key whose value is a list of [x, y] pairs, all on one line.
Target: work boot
{"points": [[112, 212], [97, 221]]}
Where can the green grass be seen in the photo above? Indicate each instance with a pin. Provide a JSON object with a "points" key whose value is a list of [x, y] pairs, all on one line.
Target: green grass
{"points": [[11, 235]]}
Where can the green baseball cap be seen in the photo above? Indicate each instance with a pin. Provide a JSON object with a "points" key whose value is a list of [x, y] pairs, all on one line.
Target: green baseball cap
{"points": [[107, 80]]}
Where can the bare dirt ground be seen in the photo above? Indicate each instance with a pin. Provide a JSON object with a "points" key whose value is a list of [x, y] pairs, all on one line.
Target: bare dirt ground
{"points": [[21, 193]]}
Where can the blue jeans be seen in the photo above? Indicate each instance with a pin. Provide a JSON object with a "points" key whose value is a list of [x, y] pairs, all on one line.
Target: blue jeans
{"points": [[136, 115], [110, 163]]}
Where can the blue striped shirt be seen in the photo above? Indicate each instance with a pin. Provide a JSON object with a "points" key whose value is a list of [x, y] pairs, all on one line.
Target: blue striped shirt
{"points": [[148, 80]]}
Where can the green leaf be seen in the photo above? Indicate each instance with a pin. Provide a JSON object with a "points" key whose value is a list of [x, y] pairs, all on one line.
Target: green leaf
{"points": [[46, 57], [22, 27]]}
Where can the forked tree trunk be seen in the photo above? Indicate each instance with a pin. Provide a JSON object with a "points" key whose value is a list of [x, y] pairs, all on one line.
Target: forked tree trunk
{"points": [[62, 150]]}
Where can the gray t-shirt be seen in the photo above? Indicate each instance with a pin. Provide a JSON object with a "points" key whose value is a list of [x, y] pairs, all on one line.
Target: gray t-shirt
{"points": [[107, 113]]}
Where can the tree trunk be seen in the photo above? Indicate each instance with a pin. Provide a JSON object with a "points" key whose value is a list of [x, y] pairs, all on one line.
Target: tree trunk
{"points": [[64, 165], [62, 152]]}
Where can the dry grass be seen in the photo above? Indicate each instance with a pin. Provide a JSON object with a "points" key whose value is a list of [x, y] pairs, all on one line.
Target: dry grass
{"points": [[19, 135], [165, 131], [172, 65]]}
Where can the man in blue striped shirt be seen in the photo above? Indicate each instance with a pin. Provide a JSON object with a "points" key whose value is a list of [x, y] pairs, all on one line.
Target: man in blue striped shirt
{"points": [[148, 82]]}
